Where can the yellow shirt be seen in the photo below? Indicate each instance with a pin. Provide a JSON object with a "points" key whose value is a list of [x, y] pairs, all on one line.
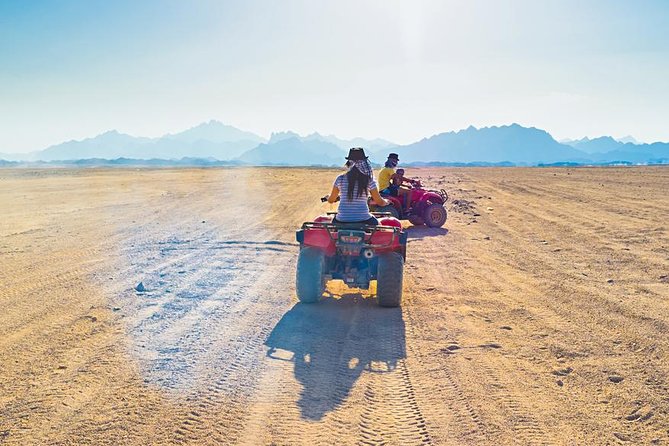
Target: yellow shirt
{"points": [[384, 177]]}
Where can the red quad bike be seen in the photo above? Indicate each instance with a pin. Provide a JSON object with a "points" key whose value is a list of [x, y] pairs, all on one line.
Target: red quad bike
{"points": [[427, 206], [353, 252]]}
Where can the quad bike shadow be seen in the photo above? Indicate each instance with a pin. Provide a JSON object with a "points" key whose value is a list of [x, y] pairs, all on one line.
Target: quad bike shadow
{"points": [[418, 232], [333, 343]]}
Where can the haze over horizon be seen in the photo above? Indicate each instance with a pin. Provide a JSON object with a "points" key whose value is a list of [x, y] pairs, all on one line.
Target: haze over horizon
{"points": [[375, 69]]}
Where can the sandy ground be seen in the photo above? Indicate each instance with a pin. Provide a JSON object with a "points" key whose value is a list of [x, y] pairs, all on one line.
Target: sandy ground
{"points": [[538, 315]]}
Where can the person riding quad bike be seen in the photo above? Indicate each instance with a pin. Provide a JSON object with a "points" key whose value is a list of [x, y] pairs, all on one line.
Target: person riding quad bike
{"points": [[355, 246], [396, 181], [414, 203], [355, 186], [390, 182]]}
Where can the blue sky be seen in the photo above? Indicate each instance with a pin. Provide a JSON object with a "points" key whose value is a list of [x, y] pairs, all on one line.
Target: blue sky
{"points": [[400, 70]]}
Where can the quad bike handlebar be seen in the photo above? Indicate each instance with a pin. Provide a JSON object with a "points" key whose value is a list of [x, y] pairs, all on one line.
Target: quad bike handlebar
{"points": [[325, 198]]}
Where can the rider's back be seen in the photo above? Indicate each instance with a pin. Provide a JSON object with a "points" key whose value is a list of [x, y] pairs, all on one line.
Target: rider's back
{"points": [[356, 208]]}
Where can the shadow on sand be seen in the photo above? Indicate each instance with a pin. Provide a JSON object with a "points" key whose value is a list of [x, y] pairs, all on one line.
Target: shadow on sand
{"points": [[417, 232], [332, 343]]}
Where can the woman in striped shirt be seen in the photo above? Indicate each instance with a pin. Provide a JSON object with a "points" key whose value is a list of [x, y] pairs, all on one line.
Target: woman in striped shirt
{"points": [[355, 186]]}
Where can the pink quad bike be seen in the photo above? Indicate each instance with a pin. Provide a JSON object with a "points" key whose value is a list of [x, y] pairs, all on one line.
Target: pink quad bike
{"points": [[354, 253], [426, 207]]}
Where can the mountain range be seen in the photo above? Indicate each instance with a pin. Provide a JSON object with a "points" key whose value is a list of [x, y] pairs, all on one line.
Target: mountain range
{"points": [[215, 143], [512, 143]]}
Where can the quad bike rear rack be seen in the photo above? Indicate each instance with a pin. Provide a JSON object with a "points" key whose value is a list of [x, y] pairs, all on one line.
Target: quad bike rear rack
{"points": [[331, 228]]}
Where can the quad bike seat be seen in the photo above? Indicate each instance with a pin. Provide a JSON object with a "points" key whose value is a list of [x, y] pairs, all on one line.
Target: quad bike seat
{"points": [[350, 225]]}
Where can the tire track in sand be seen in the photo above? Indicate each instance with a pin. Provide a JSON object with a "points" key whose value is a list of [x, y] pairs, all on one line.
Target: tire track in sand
{"points": [[391, 414], [220, 405], [445, 403]]}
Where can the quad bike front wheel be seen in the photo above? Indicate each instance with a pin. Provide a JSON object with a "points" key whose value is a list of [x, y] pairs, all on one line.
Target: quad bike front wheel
{"points": [[435, 215], [309, 280], [389, 279], [416, 220]]}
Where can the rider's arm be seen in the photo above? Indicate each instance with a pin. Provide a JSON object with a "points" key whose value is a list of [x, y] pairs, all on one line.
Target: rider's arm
{"points": [[377, 198], [333, 195]]}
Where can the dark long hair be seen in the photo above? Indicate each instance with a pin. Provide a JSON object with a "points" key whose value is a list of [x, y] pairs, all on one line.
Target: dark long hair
{"points": [[355, 177]]}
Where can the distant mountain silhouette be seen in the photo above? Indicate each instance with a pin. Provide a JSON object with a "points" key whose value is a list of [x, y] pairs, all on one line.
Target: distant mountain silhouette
{"points": [[289, 148], [599, 145], [370, 145], [211, 139], [215, 143], [215, 132], [281, 136], [111, 144], [344, 144], [628, 138], [602, 144], [607, 149], [294, 151], [512, 143]]}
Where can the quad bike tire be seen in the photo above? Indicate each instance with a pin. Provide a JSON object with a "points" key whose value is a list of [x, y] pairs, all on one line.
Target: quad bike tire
{"points": [[389, 279], [309, 280], [416, 220], [389, 208], [435, 215]]}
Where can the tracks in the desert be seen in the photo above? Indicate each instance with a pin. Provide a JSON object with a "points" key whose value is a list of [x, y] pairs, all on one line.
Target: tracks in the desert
{"points": [[502, 337]]}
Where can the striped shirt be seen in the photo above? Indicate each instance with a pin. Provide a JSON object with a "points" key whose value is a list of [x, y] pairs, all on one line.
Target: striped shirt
{"points": [[357, 208]]}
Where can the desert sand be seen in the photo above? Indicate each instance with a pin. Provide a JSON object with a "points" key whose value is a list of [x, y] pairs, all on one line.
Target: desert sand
{"points": [[539, 314]]}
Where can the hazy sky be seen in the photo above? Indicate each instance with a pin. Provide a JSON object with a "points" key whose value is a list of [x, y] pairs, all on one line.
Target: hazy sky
{"points": [[399, 70]]}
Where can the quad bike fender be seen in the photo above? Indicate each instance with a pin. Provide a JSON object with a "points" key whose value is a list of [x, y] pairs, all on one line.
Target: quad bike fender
{"points": [[387, 238], [327, 218], [432, 197], [390, 242], [425, 200], [316, 238]]}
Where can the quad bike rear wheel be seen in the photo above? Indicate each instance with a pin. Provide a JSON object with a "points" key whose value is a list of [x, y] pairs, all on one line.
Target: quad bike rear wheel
{"points": [[435, 215], [389, 279], [309, 280]]}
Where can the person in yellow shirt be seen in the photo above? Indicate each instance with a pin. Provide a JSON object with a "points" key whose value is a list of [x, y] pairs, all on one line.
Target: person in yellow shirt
{"points": [[385, 182], [387, 172]]}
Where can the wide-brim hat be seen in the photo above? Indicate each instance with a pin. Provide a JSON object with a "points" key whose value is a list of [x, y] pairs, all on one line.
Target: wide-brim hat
{"points": [[394, 156], [356, 154]]}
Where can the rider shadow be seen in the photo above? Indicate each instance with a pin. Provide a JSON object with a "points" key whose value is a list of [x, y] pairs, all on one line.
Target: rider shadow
{"points": [[332, 343], [418, 232]]}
